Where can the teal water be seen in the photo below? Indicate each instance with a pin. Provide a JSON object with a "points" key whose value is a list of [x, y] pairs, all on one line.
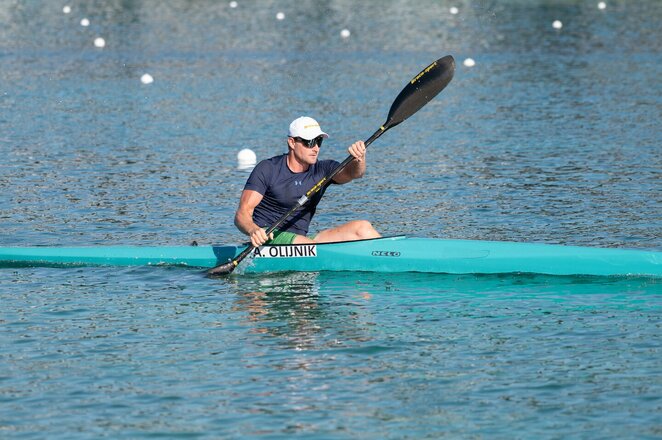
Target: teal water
{"points": [[552, 137], [161, 352]]}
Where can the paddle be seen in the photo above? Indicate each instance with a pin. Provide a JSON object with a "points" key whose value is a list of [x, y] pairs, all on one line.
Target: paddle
{"points": [[418, 92]]}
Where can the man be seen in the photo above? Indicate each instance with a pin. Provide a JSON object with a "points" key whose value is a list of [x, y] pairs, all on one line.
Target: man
{"points": [[276, 184]]}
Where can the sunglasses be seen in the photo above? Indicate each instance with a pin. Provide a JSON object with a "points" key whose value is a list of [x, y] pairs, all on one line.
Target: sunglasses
{"points": [[312, 142]]}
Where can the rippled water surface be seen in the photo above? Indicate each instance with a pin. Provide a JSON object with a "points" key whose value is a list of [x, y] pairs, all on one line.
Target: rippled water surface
{"points": [[149, 352], [552, 137]]}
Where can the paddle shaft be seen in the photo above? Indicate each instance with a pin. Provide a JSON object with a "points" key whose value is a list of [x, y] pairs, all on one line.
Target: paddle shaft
{"points": [[324, 181]]}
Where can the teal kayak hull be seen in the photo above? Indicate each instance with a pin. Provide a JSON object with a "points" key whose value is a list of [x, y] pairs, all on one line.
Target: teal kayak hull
{"points": [[391, 254]]}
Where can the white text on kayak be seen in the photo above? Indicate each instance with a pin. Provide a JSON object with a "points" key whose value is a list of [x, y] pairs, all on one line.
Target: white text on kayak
{"points": [[300, 250]]}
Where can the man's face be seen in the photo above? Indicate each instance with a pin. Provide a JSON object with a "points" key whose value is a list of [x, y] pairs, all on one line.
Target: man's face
{"points": [[305, 150]]}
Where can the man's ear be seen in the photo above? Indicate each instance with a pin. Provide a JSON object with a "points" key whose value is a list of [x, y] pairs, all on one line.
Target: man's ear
{"points": [[290, 143]]}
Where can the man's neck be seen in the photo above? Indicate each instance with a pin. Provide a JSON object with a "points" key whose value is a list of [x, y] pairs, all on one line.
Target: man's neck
{"points": [[295, 165]]}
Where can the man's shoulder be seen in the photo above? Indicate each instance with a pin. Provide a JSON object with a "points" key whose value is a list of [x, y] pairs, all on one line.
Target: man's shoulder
{"points": [[277, 158], [327, 164], [270, 163], [327, 161], [273, 161]]}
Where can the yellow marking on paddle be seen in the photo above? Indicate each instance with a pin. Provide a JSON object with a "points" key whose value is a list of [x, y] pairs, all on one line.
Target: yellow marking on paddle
{"points": [[426, 70], [317, 186]]}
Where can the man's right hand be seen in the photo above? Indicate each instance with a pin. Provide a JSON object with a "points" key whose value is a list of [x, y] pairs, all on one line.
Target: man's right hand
{"points": [[259, 237]]}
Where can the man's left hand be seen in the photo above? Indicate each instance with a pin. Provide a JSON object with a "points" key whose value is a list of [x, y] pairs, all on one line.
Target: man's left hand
{"points": [[357, 150]]}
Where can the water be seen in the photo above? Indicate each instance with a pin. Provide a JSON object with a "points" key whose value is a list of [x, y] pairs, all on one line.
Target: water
{"points": [[552, 137], [162, 352]]}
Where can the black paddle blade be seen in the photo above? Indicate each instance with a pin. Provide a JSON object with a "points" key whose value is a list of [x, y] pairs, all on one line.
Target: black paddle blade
{"points": [[221, 270], [421, 89]]}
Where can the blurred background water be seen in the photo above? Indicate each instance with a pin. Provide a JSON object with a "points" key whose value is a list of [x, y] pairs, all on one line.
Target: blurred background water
{"points": [[553, 136]]}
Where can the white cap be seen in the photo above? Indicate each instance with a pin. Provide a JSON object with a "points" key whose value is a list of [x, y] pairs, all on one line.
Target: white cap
{"points": [[306, 128]]}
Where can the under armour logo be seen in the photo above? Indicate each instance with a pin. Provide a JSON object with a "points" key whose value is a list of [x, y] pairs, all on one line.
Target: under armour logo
{"points": [[297, 183]]}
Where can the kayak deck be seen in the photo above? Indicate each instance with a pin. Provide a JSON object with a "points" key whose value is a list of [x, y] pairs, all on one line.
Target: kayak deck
{"points": [[390, 254]]}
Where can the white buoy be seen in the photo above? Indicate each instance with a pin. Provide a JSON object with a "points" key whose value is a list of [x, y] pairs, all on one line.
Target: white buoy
{"points": [[246, 159], [233, 5], [557, 24], [280, 16], [99, 42], [454, 10], [345, 33], [602, 5], [67, 9], [146, 79], [469, 62], [85, 22]]}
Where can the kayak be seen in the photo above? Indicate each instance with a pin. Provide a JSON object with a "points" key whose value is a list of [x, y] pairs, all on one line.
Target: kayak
{"points": [[389, 254]]}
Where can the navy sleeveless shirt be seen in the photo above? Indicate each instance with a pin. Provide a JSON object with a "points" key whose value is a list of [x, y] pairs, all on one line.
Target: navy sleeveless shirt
{"points": [[281, 190]]}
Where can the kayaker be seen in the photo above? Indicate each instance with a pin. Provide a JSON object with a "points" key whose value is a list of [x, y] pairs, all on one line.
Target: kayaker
{"points": [[276, 184]]}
